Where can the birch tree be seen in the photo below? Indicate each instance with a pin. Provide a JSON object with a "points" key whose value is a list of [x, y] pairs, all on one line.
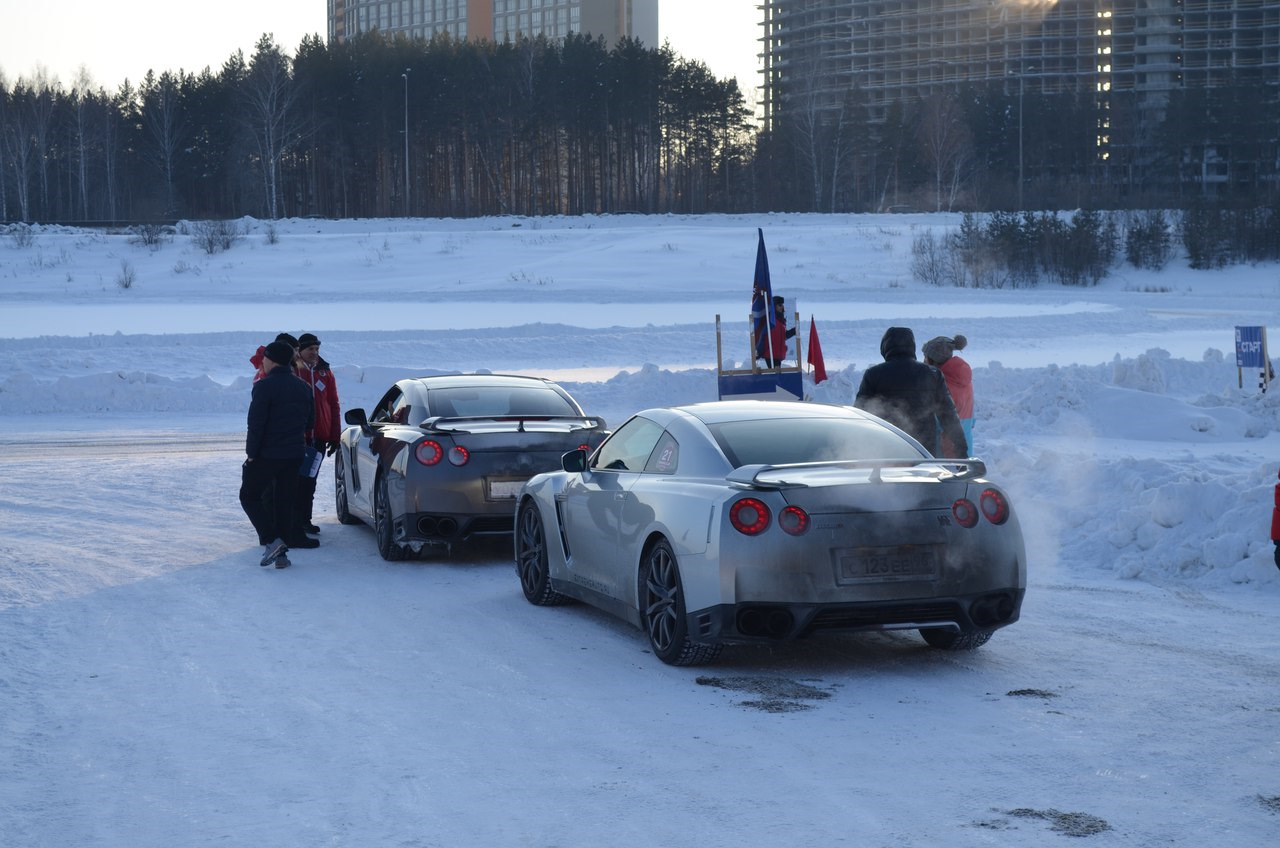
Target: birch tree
{"points": [[270, 114], [944, 138], [18, 141], [165, 127]]}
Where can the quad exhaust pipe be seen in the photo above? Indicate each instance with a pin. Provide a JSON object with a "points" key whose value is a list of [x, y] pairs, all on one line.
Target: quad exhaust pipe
{"points": [[991, 609], [767, 622], [443, 527]]}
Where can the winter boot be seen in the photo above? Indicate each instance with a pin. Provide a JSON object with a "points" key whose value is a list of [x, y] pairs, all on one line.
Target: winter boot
{"points": [[272, 552]]}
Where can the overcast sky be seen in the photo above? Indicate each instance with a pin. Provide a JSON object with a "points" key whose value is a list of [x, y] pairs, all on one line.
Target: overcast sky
{"points": [[125, 38]]}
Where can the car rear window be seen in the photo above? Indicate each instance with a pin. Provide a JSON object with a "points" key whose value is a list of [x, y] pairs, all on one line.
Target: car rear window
{"points": [[787, 440], [483, 401]]}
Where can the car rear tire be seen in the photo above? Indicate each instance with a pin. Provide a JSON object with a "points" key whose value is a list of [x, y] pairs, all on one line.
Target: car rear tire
{"points": [[531, 558], [662, 610], [382, 525], [341, 505], [948, 639]]}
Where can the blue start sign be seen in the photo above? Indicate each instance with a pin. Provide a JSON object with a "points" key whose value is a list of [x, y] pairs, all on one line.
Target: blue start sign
{"points": [[767, 385], [1251, 347]]}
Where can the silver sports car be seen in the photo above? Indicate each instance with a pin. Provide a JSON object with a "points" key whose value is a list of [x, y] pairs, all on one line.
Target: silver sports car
{"points": [[748, 521], [441, 459]]}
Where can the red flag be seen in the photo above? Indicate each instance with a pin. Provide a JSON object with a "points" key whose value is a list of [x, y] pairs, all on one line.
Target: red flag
{"points": [[815, 354]]}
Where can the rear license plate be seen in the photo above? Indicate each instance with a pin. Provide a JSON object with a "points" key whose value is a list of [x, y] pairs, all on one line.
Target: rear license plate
{"points": [[887, 565], [504, 489]]}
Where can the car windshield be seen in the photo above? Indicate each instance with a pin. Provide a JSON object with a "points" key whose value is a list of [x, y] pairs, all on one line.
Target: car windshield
{"points": [[484, 401], [780, 441]]}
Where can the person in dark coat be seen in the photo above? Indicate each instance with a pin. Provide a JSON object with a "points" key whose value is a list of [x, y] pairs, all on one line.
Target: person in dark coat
{"points": [[911, 395], [280, 414]]}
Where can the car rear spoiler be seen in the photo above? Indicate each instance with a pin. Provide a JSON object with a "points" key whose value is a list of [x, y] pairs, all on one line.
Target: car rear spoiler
{"points": [[464, 423], [956, 469]]}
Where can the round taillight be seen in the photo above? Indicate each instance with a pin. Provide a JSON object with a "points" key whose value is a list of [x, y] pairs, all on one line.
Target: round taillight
{"points": [[749, 516], [965, 513], [429, 452], [794, 520], [994, 507], [458, 455]]}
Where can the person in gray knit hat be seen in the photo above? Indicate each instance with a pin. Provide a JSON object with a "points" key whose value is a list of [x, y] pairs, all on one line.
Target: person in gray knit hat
{"points": [[940, 352]]}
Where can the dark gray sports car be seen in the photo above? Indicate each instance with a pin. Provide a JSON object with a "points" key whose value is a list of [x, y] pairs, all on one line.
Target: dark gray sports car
{"points": [[751, 521], [439, 460]]}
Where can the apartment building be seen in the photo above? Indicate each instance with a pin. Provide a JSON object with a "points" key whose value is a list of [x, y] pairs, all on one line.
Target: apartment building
{"points": [[497, 20], [896, 50]]}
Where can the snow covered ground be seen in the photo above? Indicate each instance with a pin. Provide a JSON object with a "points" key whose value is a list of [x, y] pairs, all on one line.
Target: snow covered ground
{"points": [[158, 688]]}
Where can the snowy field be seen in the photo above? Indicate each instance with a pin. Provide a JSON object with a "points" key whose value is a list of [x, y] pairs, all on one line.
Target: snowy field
{"points": [[158, 689]]}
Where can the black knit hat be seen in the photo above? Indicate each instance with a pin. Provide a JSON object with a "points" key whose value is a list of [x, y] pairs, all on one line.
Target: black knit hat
{"points": [[307, 340], [281, 353], [287, 339]]}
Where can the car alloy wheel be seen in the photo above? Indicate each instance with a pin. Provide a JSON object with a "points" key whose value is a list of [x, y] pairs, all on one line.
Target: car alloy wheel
{"points": [[387, 547], [531, 558], [663, 612]]}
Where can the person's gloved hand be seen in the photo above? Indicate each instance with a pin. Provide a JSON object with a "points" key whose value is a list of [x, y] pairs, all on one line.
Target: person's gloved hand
{"points": [[330, 448]]}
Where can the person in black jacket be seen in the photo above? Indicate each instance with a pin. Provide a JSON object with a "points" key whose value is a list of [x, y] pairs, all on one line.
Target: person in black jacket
{"points": [[280, 414], [909, 394]]}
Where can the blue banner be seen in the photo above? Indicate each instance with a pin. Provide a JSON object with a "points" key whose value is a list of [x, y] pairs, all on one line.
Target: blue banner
{"points": [[767, 385], [1251, 347], [762, 299]]}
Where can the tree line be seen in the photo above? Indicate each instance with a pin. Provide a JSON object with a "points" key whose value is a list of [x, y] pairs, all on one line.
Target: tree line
{"points": [[534, 127], [1016, 250], [990, 146], [574, 126]]}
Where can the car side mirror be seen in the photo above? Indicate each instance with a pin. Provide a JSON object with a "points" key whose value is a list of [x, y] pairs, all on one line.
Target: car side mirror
{"points": [[357, 418], [574, 461]]}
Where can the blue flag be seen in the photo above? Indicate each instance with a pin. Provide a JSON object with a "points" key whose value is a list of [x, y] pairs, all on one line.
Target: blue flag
{"points": [[762, 298]]}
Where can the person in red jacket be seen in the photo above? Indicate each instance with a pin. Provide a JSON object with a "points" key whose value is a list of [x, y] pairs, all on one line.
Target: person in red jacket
{"points": [[317, 374], [772, 347], [1275, 525], [256, 359], [940, 352]]}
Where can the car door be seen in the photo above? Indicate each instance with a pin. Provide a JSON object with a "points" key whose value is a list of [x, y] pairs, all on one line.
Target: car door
{"points": [[390, 411], [594, 508]]}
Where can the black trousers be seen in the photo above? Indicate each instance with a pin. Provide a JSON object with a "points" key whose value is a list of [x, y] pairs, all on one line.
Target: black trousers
{"points": [[268, 492], [306, 499]]}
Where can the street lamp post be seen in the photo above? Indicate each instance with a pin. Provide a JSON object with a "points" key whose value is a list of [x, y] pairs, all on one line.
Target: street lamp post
{"points": [[405, 76], [1022, 84]]}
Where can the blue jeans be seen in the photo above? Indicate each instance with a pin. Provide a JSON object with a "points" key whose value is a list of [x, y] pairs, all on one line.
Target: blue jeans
{"points": [[966, 424]]}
